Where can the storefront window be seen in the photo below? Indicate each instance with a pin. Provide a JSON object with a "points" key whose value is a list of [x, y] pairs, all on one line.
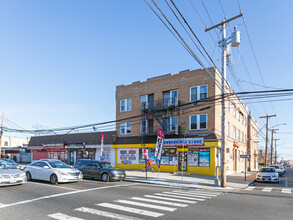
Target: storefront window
{"points": [[169, 156], [199, 157], [128, 156]]}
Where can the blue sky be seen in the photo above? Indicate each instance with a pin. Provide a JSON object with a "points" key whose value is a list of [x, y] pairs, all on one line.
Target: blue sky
{"points": [[60, 61]]}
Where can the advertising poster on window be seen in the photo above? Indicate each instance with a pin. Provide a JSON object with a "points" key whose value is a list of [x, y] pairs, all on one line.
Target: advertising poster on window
{"points": [[193, 157], [151, 156], [127, 156], [204, 157]]}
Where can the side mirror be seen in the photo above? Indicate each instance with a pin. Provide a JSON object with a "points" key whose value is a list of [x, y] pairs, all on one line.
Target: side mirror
{"points": [[46, 167]]}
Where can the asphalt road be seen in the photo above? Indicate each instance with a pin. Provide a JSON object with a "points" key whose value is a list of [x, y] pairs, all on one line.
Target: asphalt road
{"points": [[92, 199]]}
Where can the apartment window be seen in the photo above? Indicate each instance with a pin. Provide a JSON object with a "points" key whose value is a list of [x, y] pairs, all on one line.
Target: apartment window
{"points": [[234, 132], [173, 124], [234, 111], [237, 114], [143, 126], [125, 128], [5, 143], [198, 122], [144, 101], [241, 119], [238, 135], [125, 105], [170, 124], [170, 98], [244, 138], [198, 92], [241, 137], [228, 129]]}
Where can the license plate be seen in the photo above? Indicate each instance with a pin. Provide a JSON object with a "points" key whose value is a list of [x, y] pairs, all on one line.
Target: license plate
{"points": [[12, 181], [122, 175], [266, 179]]}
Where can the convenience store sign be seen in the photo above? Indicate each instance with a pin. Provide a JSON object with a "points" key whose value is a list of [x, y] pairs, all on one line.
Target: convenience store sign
{"points": [[181, 141]]}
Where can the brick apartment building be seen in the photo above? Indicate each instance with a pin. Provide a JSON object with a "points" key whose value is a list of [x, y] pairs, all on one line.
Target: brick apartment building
{"points": [[184, 107]]}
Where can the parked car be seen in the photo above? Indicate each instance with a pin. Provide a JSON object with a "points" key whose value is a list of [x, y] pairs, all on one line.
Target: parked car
{"points": [[278, 169], [54, 171], [100, 170], [267, 174], [283, 168], [12, 162], [10, 175]]}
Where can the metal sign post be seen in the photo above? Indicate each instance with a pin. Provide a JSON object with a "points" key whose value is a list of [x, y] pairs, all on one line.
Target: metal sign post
{"points": [[245, 157]]}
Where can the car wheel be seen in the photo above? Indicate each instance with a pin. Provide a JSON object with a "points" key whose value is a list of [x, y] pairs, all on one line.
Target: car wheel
{"points": [[53, 179], [28, 176], [105, 177]]}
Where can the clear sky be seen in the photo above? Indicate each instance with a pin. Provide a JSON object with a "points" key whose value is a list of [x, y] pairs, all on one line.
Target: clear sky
{"points": [[60, 61]]}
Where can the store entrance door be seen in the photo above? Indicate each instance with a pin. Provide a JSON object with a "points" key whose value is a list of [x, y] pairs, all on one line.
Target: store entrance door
{"points": [[182, 161]]}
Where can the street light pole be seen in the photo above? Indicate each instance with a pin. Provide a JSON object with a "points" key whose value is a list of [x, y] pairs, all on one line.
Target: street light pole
{"points": [[276, 150], [272, 143]]}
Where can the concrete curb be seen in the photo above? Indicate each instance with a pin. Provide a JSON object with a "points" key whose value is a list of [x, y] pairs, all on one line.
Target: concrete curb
{"points": [[252, 182]]}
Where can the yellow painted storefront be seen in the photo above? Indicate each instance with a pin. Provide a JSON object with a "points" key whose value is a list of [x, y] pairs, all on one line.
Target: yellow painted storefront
{"points": [[211, 170]]}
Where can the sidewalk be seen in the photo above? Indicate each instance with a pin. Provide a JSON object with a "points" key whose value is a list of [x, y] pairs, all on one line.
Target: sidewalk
{"points": [[234, 181]]}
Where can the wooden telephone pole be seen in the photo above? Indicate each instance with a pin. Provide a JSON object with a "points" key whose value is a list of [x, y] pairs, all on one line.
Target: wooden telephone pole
{"points": [[267, 136]]}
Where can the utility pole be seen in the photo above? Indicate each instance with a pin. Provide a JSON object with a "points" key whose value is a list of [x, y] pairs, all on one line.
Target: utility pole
{"points": [[276, 150], [267, 134], [223, 44], [1, 133], [272, 143]]}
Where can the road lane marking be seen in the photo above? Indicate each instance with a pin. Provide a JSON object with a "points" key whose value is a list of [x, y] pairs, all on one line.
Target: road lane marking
{"points": [[192, 195], [250, 188], [267, 189], [201, 192], [170, 199], [106, 214], [159, 201], [60, 216], [286, 191], [61, 187], [146, 205], [132, 210], [64, 194], [179, 197]]}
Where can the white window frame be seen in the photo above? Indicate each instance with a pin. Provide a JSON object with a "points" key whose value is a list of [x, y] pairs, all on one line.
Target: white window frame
{"points": [[125, 125], [198, 122], [146, 128], [197, 92], [238, 135], [234, 133], [126, 101], [176, 124], [146, 102]]}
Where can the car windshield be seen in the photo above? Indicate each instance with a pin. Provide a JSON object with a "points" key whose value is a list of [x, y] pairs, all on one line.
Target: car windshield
{"points": [[11, 161], [106, 165], [58, 164], [267, 170], [6, 165]]}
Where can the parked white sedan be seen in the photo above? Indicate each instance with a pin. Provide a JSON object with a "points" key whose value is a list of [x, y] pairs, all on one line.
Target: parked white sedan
{"points": [[10, 175], [54, 171]]}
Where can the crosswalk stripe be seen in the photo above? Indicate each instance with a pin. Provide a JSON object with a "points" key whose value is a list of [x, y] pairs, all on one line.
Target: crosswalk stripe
{"points": [[250, 188], [200, 192], [159, 201], [146, 205], [267, 189], [194, 194], [170, 199], [106, 214], [129, 209], [188, 196], [60, 216], [179, 197], [286, 191]]}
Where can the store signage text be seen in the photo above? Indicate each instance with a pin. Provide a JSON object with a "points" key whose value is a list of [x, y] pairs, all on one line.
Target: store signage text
{"points": [[186, 142]]}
